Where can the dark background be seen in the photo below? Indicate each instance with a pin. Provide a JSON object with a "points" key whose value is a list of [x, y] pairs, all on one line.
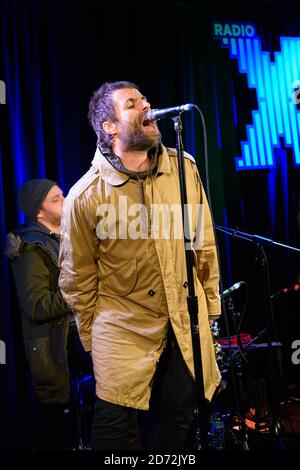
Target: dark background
{"points": [[55, 53]]}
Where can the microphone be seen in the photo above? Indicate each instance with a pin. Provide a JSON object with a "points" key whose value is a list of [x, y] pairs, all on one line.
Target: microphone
{"points": [[155, 114], [235, 286]]}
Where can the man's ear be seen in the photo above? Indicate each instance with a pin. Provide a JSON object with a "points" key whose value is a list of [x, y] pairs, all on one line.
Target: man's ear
{"points": [[39, 214], [109, 127]]}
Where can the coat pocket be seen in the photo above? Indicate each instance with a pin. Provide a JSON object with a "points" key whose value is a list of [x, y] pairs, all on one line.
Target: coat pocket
{"points": [[41, 362], [121, 280]]}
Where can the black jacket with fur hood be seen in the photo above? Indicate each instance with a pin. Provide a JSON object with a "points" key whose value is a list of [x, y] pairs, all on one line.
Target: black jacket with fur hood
{"points": [[33, 251]]}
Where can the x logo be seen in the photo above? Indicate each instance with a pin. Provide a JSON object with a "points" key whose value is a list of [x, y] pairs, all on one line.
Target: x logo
{"points": [[277, 87]]}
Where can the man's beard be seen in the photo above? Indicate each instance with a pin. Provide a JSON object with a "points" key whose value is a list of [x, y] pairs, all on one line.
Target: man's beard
{"points": [[52, 217], [136, 139]]}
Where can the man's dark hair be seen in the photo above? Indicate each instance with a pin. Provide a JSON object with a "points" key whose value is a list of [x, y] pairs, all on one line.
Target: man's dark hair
{"points": [[101, 109]]}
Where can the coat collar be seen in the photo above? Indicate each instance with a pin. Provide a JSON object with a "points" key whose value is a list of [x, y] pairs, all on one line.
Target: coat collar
{"points": [[114, 177]]}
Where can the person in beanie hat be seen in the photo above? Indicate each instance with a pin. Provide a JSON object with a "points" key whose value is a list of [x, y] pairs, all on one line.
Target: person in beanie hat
{"points": [[49, 330], [31, 196]]}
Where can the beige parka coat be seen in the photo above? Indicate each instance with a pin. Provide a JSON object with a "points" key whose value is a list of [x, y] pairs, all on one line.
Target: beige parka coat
{"points": [[123, 274]]}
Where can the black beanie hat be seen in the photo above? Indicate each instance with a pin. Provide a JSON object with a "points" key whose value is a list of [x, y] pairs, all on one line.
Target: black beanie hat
{"points": [[32, 194]]}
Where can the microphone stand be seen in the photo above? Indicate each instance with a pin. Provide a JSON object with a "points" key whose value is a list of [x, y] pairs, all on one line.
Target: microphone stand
{"points": [[201, 411], [259, 241], [238, 366]]}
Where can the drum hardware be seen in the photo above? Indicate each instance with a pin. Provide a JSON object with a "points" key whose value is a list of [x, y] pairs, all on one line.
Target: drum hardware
{"points": [[273, 370], [231, 356]]}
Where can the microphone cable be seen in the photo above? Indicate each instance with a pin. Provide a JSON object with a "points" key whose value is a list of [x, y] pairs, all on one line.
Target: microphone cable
{"points": [[209, 200], [232, 366]]}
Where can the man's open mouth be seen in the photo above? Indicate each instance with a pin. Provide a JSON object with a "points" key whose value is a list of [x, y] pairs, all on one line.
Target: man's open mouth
{"points": [[147, 123]]}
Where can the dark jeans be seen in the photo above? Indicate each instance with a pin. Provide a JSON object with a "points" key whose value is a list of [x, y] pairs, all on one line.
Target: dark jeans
{"points": [[114, 427], [168, 423]]}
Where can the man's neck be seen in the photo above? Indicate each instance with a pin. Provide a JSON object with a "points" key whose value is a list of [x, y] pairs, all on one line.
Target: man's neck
{"points": [[52, 228], [135, 160]]}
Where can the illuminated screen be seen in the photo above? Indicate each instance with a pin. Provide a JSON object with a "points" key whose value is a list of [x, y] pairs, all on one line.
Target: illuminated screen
{"points": [[277, 87]]}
